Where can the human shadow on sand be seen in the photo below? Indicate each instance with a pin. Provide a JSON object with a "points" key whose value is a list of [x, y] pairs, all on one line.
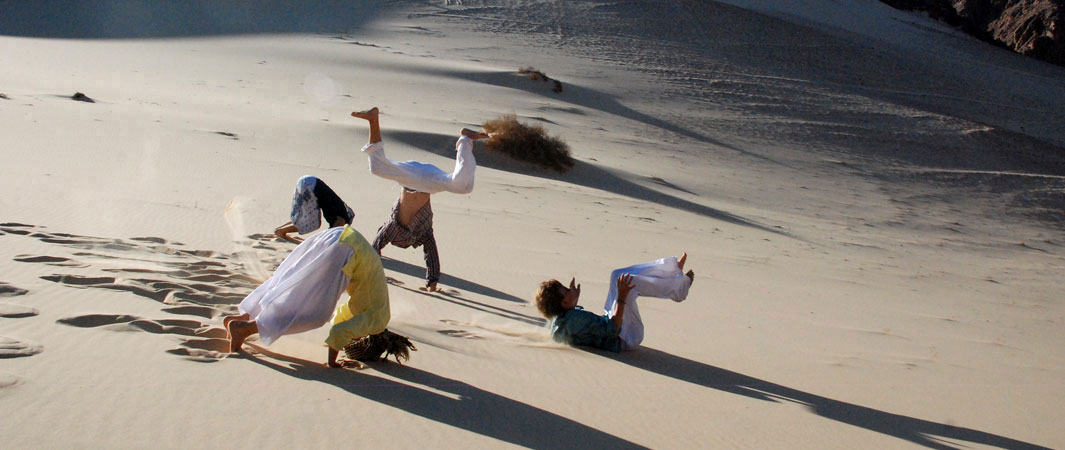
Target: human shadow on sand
{"points": [[583, 174], [585, 97], [449, 280], [123, 19], [474, 410], [455, 297], [917, 431]]}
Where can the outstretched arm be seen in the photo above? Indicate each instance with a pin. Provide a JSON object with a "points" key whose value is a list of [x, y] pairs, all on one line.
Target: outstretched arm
{"points": [[432, 264], [385, 234], [283, 231], [624, 287]]}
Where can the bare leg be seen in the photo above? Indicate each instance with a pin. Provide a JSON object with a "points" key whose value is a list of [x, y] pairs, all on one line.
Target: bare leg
{"points": [[239, 330], [371, 115], [681, 260]]}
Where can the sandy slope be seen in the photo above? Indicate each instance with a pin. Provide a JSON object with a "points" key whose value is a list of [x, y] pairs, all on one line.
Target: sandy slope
{"points": [[872, 204]]}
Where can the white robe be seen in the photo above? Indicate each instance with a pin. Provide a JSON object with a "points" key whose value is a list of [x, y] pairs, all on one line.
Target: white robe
{"points": [[424, 177], [302, 293]]}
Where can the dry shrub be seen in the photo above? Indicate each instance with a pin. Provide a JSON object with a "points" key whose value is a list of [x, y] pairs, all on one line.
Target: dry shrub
{"points": [[538, 75], [527, 143]]}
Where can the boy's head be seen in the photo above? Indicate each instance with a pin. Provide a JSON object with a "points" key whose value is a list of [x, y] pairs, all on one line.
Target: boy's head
{"points": [[554, 298]]}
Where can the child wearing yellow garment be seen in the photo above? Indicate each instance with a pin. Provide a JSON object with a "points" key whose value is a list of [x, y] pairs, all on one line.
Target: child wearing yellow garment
{"points": [[302, 294]]}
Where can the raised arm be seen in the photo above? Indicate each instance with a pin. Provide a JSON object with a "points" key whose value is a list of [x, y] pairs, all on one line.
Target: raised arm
{"points": [[432, 264], [624, 287]]}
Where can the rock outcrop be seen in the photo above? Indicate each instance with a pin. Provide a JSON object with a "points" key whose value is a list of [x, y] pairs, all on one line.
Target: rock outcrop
{"points": [[1032, 27]]}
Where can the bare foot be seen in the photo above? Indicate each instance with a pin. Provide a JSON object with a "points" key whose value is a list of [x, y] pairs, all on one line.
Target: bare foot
{"points": [[680, 261], [239, 331], [369, 114], [228, 319], [429, 288], [473, 134], [691, 276]]}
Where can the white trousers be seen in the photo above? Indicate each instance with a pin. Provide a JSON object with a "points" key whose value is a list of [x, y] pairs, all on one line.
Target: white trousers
{"points": [[424, 177], [661, 278]]}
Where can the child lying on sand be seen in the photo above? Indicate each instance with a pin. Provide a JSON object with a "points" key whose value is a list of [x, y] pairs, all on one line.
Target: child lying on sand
{"points": [[302, 294], [617, 329]]}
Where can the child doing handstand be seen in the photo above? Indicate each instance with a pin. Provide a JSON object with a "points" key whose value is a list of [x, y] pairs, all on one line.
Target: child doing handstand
{"points": [[411, 221]]}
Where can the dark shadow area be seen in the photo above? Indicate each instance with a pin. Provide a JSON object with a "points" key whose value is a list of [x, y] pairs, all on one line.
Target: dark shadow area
{"points": [[917, 431], [583, 174], [456, 298], [123, 19], [448, 279], [475, 410], [586, 97]]}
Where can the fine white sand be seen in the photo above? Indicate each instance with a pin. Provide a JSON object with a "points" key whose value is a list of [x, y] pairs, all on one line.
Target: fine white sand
{"points": [[872, 204]]}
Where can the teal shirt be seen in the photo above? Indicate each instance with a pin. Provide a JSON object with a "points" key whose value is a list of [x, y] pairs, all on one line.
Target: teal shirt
{"points": [[580, 327]]}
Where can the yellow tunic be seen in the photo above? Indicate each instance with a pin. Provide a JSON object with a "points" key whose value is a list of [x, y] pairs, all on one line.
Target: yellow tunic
{"points": [[366, 311]]}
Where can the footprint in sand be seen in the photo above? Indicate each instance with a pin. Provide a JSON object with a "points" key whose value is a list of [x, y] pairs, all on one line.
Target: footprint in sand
{"points": [[50, 260], [207, 344], [159, 290], [198, 283], [7, 380], [7, 290], [125, 322], [202, 350], [460, 334], [13, 311], [14, 348]]}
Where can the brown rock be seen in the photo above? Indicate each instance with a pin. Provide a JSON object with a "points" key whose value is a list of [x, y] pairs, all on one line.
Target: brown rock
{"points": [[1032, 27]]}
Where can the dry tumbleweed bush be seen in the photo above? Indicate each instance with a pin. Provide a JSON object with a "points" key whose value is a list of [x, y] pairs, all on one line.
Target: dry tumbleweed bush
{"points": [[527, 143], [538, 75]]}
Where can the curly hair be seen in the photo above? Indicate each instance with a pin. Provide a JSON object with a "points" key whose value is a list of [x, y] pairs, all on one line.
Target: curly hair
{"points": [[549, 298]]}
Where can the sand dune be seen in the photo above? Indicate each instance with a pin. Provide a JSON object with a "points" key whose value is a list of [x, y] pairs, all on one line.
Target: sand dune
{"points": [[872, 204]]}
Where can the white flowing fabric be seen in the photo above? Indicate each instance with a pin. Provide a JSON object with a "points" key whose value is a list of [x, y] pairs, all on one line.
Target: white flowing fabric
{"points": [[303, 292], [424, 177], [661, 278]]}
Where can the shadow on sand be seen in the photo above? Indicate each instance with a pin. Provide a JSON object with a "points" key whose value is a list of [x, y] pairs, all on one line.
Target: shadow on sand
{"points": [[589, 98], [455, 297], [449, 280], [125, 19], [917, 431], [583, 174], [474, 410]]}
